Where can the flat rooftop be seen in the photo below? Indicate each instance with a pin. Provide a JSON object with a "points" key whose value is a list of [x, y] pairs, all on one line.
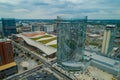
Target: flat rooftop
{"points": [[102, 59], [6, 66], [106, 60], [109, 64]]}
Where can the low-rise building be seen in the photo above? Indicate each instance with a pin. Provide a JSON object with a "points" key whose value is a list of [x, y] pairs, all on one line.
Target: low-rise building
{"points": [[7, 64]]}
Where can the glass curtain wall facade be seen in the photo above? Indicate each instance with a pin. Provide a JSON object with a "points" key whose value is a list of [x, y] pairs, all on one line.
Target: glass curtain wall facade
{"points": [[9, 26], [70, 41]]}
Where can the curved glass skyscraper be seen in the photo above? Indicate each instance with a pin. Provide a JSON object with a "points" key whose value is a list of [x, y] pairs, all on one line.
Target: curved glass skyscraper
{"points": [[71, 42]]}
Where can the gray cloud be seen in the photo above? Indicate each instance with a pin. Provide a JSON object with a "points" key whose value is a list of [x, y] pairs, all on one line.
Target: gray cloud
{"points": [[52, 8]]}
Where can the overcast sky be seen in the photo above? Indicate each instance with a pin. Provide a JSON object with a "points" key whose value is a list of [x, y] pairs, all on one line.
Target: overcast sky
{"points": [[30, 9]]}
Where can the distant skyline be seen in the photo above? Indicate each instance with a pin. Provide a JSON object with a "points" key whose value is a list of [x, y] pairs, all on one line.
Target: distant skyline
{"points": [[49, 9]]}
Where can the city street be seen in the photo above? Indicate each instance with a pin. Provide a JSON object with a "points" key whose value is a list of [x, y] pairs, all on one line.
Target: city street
{"points": [[43, 60]]}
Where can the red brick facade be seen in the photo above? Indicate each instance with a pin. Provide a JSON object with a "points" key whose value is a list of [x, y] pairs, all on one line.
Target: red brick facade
{"points": [[6, 52]]}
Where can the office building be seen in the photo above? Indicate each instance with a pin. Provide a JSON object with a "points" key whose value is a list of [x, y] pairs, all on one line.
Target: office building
{"points": [[108, 40], [7, 64], [1, 32], [0, 26], [26, 29], [71, 43], [9, 26], [35, 28], [6, 52], [42, 27], [49, 28]]}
